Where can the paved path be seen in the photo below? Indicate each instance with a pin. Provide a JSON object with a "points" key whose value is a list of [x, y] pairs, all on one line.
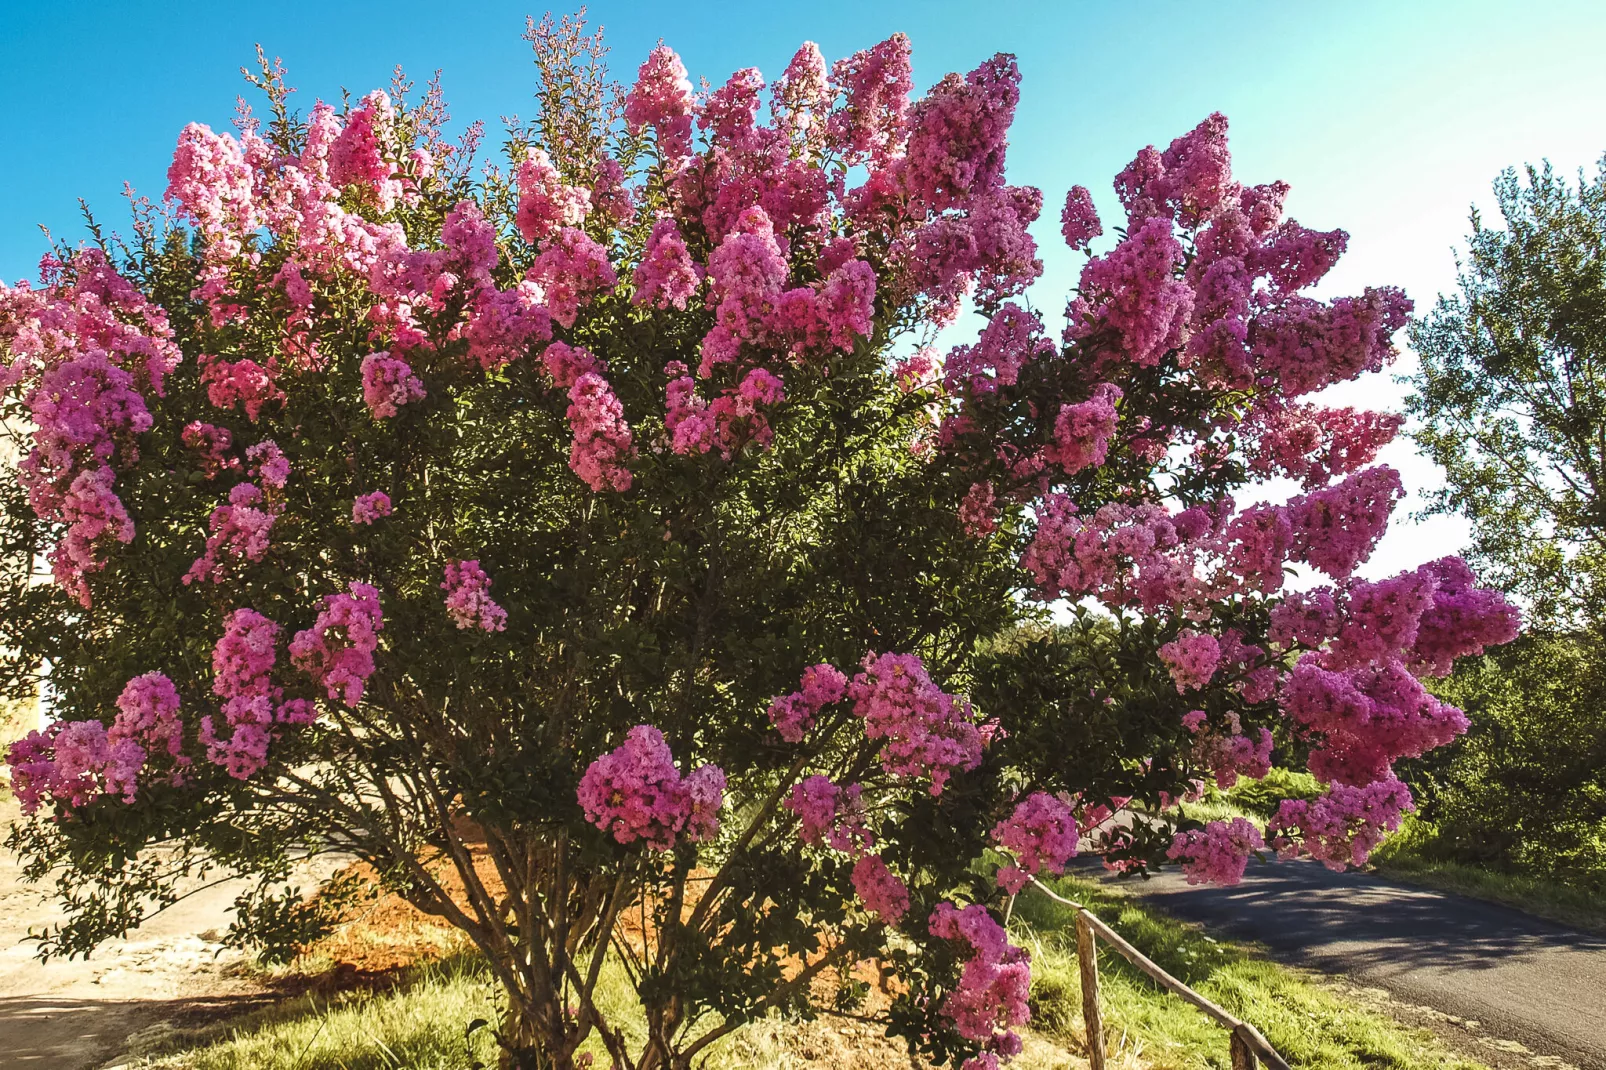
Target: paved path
{"points": [[71, 1015], [1529, 980], [74, 1015]]}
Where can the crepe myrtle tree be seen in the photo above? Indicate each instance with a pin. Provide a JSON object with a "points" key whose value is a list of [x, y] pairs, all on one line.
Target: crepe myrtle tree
{"points": [[586, 542]]}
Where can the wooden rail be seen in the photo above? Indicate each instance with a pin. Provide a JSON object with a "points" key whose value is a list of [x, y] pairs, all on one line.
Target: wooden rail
{"points": [[1249, 1048]]}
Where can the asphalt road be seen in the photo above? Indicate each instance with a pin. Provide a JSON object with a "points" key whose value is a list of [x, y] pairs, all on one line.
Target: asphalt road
{"points": [[1529, 980]]}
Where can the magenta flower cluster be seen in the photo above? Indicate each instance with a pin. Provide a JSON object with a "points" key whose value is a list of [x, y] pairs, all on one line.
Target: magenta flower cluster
{"points": [[635, 793], [793, 715], [602, 440], [1226, 751], [1192, 658], [85, 352], [337, 652], [1219, 853], [990, 999], [928, 734], [367, 508], [1042, 835], [468, 598]]}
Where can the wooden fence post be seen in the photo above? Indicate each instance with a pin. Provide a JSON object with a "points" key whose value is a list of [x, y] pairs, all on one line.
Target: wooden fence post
{"points": [[1243, 1056], [1088, 957]]}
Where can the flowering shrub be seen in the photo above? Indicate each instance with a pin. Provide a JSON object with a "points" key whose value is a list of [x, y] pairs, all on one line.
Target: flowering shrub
{"points": [[758, 664]]}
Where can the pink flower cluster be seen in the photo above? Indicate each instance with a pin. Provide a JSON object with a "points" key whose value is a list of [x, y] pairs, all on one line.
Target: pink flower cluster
{"points": [[1082, 431], [357, 155], [83, 353], [1192, 658], [241, 382], [269, 464], [1354, 693], [367, 508], [875, 85], [920, 371], [1309, 345], [95, 517], [1463, 619], [1367, 718], [1427, 617], [662, 99], [566, 364], [1314, 444], [928, 734], [1134, 289], [991, 997], [337, 652], [730, 422], [211, 182], [546, 203], [468, 597], [1011, 340], [1042, 835], [211, 445], [1335, 528], [881, 891], [147, 713], [570, 271], [978, 512], [747, 273], [502, 324], [636, 793], [831, 814], [602, 440], [1229, 754], [388, 383], [242, 666], [1147, 556], [1218, 854], [72, 763], [1079, 220], [238, 533], [793, 715], [667, 275], [1344, 825]]}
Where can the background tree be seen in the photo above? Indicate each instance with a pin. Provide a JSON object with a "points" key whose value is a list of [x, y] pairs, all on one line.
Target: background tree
{"points": [[1511, 399], [592, 533], [1511, 395]]}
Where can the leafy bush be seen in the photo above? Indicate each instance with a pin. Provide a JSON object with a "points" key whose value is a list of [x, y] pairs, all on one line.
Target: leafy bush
{"points": [[1265, 796], [1524, 791]]}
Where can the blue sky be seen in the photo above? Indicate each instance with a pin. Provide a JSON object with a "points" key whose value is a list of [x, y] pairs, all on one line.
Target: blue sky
{"points": [[1388, 119]]}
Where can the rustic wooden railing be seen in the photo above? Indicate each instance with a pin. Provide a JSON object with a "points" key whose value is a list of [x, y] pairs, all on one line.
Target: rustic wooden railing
{"points": [[1249, 1048]]}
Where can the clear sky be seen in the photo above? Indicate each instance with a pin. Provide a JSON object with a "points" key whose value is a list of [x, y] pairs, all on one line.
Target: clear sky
{"points": [[1388, 118]]}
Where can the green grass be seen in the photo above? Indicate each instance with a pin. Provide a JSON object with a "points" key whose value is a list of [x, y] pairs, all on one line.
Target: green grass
{"points": [[1309, 1023], [421, 1023], [420, 1026], [1408, 856]]}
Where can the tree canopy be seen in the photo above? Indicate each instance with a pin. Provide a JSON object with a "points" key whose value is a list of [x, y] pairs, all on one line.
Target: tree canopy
{"points": [[592, 535]]}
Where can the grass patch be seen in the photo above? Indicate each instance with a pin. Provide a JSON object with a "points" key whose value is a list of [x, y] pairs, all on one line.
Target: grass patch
{"points": [[420, 1023], [1309, 1023], [1408, 856]]}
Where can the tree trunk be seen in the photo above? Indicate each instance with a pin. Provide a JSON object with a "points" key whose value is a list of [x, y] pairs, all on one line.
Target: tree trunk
{"points": [[528, 1044]]}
